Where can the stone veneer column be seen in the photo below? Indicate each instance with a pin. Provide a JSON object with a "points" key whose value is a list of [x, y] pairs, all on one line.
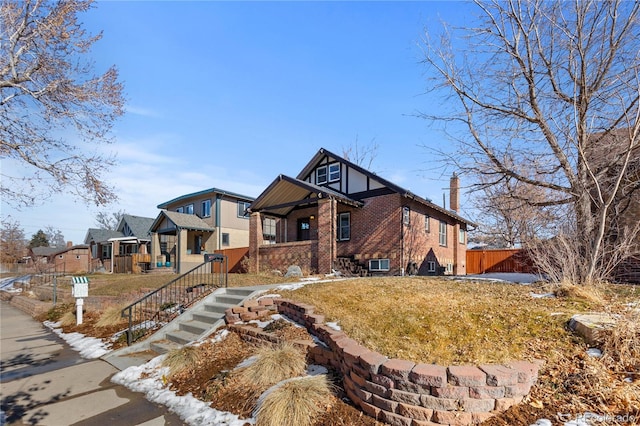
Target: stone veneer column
{"points": [[327, 212], [255, 236]]}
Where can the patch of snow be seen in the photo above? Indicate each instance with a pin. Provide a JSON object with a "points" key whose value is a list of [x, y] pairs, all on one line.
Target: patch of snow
{"points": [[333, 325], [246, 362], [310, 279], [292, 287], [542, 422], [542, 295], [88, 347], [260, 324], [514, 277], [316, 370], [149, 378], [594, 352]]}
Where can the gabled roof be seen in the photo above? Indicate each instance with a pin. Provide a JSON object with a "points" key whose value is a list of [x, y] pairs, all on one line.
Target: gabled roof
{"points": [[101, 235], [286, 192], [139, 226], [280, 198], [211, 191], [181, 221], [43, 251]]}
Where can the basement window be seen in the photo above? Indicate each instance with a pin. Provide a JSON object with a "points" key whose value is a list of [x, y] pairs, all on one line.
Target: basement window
{"points": [[431, 266], [379, 265]]}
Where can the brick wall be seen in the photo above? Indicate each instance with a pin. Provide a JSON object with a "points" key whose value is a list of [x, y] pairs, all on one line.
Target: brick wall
{"points": [[281, 256], [396, 391]]}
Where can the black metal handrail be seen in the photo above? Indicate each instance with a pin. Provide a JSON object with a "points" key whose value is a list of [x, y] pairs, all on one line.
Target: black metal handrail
{"points": [[162, 305]]}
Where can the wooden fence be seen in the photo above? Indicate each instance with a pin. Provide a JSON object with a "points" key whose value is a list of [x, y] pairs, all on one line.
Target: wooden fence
{"points": [[501, 260], [131, 263], [234, 257]]}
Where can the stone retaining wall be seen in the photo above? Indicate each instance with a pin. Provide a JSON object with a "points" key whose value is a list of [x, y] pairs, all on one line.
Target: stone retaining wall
{"points": [[396, 391]]}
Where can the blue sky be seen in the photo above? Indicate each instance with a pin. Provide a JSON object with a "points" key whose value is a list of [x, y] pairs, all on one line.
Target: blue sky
{"points": [[231, 94]]}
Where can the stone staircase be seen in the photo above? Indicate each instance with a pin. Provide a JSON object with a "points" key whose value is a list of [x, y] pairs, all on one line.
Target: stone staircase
{"points": [[197, 323]]}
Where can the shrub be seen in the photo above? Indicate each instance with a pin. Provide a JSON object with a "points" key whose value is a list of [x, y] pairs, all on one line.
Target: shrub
{"points": [[293, 402], [179, 359], [274, 364]]}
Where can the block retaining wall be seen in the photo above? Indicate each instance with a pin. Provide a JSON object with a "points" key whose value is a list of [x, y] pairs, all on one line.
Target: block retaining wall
{"points": [[396, 391]]}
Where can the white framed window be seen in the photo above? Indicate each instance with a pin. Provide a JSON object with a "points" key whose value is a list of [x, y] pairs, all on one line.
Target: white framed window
{"points": [[321, 175], [242, 209], [344, 226], [462, 238], [379, 265], [206, 208], [427, 225], [269, 230], [225, 239], [334, 172], [450, 268], [406, 215], [442, 237], [431, 266], [180, 210], [188, 209]]}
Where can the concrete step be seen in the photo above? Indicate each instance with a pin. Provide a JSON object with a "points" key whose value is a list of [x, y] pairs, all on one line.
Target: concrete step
{"points": [[163, 346], [229, 299], [181, 337], [218, 308], [239, 291], [195, 327], [208, 316]]}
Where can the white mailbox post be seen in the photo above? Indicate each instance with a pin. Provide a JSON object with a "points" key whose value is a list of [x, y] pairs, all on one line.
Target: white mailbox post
{"points": [[80, 290]]}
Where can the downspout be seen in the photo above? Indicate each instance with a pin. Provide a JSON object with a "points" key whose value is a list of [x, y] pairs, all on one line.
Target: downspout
{"points": [[112, 265], [217, 222]]}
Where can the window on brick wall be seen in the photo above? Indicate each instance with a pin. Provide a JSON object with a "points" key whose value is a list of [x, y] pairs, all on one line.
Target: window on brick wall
{"points": [[427, 226], [431, 266], [379, 265], [442, 237], [406, 215], [344, 226], [462, 236], [269, 230]]}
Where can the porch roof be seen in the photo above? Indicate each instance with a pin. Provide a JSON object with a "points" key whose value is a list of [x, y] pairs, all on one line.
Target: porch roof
{"points": [[285, 193], [181, 221]]}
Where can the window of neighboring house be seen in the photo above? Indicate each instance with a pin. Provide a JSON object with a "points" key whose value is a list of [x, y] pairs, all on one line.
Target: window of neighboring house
{"points": [[206, 208], [188, 209], [344, 226], [431, 266], [450, 268], [334, 172], [106, 251], [269, 230], [406, 215], [180, 210], [427, 226], [461, 236], [321, 175], [443, 233], [242, 209], [225, 239], [379, 265]]}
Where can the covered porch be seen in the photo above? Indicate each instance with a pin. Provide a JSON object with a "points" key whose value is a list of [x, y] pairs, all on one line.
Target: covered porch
{"points": [[294, 222]]}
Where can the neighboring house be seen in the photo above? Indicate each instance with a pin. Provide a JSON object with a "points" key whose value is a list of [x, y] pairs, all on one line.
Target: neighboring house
{"points": [[335, 215], [68, 260], [115, 250], [194, 224]]}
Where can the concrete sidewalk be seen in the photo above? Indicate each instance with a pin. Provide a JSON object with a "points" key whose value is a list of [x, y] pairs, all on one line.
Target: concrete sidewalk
{"points": [[44, 382]]}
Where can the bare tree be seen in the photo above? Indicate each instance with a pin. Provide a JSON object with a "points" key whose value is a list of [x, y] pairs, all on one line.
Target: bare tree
{"points": [[506, 217], [362, 156], [550, 87], [53, 110], [12, 241], [109, 221], [55, 237]]}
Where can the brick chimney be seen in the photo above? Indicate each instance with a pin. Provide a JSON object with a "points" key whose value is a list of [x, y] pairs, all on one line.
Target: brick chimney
{"points": [[69, 244], [454, 193]]}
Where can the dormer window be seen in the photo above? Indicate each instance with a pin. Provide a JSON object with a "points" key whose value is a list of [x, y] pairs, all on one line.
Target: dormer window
{"points": [[321, 175], [334, 172]]}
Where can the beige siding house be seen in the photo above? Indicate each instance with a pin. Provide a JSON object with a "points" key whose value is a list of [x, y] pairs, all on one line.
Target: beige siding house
{"points": [[192, 225]]}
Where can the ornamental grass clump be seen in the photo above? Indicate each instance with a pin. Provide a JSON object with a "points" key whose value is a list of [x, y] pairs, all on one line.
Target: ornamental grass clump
{"points": [[294, 402], [274, 364], [178, 360], [110, 316]]}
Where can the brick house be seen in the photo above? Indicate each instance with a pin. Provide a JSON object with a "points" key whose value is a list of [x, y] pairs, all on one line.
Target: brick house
{"points": [[194, 224], [335, 215], [71, 259]]}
